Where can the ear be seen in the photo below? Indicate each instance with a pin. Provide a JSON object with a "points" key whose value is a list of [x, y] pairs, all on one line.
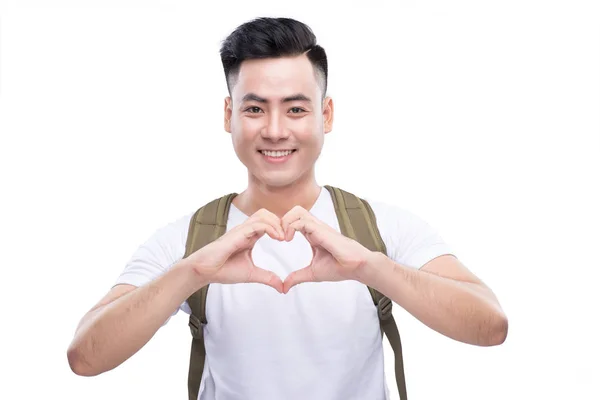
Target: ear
{"points": [[327, 114], [227, 114]]}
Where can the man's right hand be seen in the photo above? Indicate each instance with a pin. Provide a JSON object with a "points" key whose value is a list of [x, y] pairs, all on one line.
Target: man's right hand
{"points": [[229, 258]]}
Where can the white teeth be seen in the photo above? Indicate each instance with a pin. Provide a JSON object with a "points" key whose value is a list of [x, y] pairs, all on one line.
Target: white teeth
{"points": [[276, 153]]}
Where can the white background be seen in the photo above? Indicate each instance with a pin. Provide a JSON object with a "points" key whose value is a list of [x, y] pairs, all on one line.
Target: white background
{"points": [[483, 118]]}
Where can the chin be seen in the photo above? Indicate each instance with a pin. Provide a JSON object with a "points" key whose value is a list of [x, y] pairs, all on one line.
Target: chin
{"points": [[278, 180], [280, 183]]}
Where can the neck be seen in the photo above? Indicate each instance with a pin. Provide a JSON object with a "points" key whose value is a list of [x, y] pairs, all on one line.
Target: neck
{"points": [[277, 199]]}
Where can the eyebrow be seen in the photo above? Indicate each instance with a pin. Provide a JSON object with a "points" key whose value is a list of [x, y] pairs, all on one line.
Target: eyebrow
{"points": [[257, 98]]}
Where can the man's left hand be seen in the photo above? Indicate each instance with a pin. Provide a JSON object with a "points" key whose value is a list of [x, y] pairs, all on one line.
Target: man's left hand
{"points": [[335, 256]]}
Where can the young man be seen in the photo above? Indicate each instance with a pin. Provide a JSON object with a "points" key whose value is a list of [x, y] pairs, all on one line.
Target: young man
{"points": [[288, 314]]}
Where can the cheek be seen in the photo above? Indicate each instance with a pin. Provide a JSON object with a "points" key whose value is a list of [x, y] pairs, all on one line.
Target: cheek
{"points": [[312, 134], [247, 129], [244, 130], [307, 129]]}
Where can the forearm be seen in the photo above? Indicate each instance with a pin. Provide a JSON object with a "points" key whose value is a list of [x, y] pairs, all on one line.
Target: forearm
{"points": [[463, 311], [111, 334]]}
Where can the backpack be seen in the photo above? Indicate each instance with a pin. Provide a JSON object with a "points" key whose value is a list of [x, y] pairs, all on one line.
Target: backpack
{"points": [[356, 220]]}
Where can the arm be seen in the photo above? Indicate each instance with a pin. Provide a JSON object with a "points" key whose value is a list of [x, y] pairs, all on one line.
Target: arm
{"points": [[443, 295], [127, 318]]}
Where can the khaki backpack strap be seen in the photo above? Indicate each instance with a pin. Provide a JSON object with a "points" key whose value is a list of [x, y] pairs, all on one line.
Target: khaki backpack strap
{"points": [[206, 225], [357, 221]]}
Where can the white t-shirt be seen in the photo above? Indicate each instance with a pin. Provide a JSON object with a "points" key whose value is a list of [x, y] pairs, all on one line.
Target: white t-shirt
{"points": [[321, 341]]}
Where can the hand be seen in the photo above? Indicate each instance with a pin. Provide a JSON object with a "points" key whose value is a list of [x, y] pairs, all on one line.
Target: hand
{"points": [[229, 260], [335, 256]]}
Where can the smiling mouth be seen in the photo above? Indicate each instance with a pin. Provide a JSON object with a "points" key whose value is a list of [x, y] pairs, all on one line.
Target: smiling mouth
{"points": [[277, 153]]}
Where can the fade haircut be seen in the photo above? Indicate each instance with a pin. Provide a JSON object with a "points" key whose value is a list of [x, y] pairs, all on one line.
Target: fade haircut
{"points": [[270, 38]]}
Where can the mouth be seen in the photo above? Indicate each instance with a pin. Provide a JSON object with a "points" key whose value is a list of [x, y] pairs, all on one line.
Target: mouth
{"points": [[277, 156], [276, 153]]}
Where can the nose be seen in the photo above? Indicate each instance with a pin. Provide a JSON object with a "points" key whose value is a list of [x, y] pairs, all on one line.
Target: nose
{"points": [[275, 129]]}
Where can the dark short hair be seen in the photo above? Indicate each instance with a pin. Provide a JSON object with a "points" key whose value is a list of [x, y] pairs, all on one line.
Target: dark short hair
{"points": [[272, 37]]}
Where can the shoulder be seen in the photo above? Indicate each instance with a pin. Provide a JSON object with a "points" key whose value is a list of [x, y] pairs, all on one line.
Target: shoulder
{"points": [[171, 234], [395, 222], [387, 212], [410, 238], [158, 252]]}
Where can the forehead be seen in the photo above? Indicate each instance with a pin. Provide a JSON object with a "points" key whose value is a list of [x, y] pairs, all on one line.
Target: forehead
{"points": [[276, 77]]}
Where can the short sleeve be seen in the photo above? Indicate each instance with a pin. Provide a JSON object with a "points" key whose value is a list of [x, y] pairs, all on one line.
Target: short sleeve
{"points": [[161, 250], [410, 239]]}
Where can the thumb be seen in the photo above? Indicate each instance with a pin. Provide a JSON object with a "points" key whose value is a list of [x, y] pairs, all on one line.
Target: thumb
{"points": [[269, 278], [305, 274]]}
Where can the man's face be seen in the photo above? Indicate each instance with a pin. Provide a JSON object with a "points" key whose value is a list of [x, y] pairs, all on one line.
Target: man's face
{"points": [[277, 120]]}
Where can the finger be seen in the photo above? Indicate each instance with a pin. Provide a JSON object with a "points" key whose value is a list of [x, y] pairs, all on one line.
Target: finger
{"points": [[305, 274], [269, 278], [260, 228], [266, 216], [289, 233], [296, 225], [294, 214], [243, 237], [247, 235], [311, 230]]}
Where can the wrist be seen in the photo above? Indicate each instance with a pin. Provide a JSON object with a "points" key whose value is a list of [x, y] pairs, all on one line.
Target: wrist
{"points": [[204, 263], [188, 271], [373, 269]]}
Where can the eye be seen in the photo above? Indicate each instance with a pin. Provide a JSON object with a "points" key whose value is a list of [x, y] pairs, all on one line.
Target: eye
{"points": [[297, 108], [253, 108]]}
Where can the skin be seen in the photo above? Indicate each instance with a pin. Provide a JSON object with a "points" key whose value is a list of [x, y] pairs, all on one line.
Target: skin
{"points": [[443, 294], [274, 124]]}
